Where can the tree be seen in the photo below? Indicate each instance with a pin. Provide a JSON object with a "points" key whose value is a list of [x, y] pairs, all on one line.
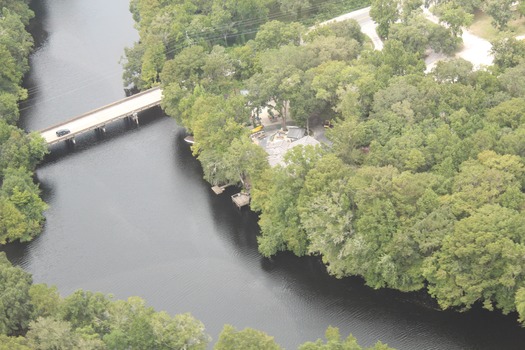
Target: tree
{"points": [[244, 161], [520, 304], [18, 149], [508, 52], [347, 29], [521, 9], [454, 16], [84, 309], [408, 7], [414, 33], [399, 60], [326, 212], [508, 114], [481, 261], [22, 216], [152, 63], [384, 13], [484, 181], [15, 303], [16, 39], [453, 71], [132, 64], [45, 300], [515, 87], [274, 34], [13, 343], [334, 341], [500, 10], [247, 339], [50, 334], [129, 325], [295, 7], [9, 107], [182, 331], [276, 195]]}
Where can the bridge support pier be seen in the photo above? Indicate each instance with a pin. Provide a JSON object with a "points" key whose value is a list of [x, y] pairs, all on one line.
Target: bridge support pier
{"points": [[71, 142], [101, 131], [135, 118]]}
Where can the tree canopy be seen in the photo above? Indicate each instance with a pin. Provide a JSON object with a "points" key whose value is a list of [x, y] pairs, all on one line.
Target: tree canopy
{"points": [[35, 316], [21, 208]]}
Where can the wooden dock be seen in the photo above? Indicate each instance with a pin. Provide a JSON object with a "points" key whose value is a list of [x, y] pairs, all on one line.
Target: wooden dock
{"points": [[219, 189], [241, 199]]}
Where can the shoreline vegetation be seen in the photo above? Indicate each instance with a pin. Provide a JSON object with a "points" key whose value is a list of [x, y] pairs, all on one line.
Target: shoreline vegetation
{"points": [[422, 185], [36, 317], [21, 208]]}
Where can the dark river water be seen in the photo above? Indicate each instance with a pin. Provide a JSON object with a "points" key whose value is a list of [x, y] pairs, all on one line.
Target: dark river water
{"points": [[129, 214]]}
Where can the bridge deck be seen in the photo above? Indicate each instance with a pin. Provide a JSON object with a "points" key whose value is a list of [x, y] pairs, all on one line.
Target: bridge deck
{"points": [[104, 115]]}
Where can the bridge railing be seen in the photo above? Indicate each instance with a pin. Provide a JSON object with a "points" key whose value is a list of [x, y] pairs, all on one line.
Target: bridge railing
{"points": [[106, 107]]}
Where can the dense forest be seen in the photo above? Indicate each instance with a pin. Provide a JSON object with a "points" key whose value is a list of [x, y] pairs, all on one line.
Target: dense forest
{"points": [[34, 316], [421, 185], [21, 208]]}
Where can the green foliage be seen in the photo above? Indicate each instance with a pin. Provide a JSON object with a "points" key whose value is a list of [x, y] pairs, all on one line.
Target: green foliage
{"points": [[334, 342], [514, 87], [325, 211], [508, 52], [481, 261], [247, 339], [20, 206], [15, 305], [384, 13], [21, 217], [276, 196], [500, 10], [454, 16], [18, 149], [274, 34], [453, 71], [13, 343], [51, 334], [84, 309], [46, 300]]}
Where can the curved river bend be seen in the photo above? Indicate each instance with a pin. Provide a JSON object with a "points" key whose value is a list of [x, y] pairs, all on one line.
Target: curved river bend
{"points": [[130, 215]]}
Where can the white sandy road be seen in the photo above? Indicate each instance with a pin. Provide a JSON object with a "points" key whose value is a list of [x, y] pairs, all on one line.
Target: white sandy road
{"points": [[475, 49], [368, 26], [103, 115]]}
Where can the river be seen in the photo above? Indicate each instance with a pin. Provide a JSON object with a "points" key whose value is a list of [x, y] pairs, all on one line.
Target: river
{"points": [[130, 215]]}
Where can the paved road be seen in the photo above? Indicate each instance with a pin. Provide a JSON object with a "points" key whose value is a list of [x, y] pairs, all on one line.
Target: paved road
{"points": [[368, 26], [103, 115], [476, 50]]}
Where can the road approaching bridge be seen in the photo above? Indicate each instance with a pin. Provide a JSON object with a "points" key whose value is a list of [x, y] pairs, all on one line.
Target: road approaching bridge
{"points": [[98, 118]]}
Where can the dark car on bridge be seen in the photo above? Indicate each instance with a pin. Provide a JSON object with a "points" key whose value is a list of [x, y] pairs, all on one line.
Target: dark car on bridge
{"points": [[62, 132]]}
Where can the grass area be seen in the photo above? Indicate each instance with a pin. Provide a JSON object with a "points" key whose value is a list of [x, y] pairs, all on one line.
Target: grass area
{"points": [[482, 27]]}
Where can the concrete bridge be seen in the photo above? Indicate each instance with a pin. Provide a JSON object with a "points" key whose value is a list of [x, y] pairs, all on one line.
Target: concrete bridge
{"points": [[98, 118]]}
